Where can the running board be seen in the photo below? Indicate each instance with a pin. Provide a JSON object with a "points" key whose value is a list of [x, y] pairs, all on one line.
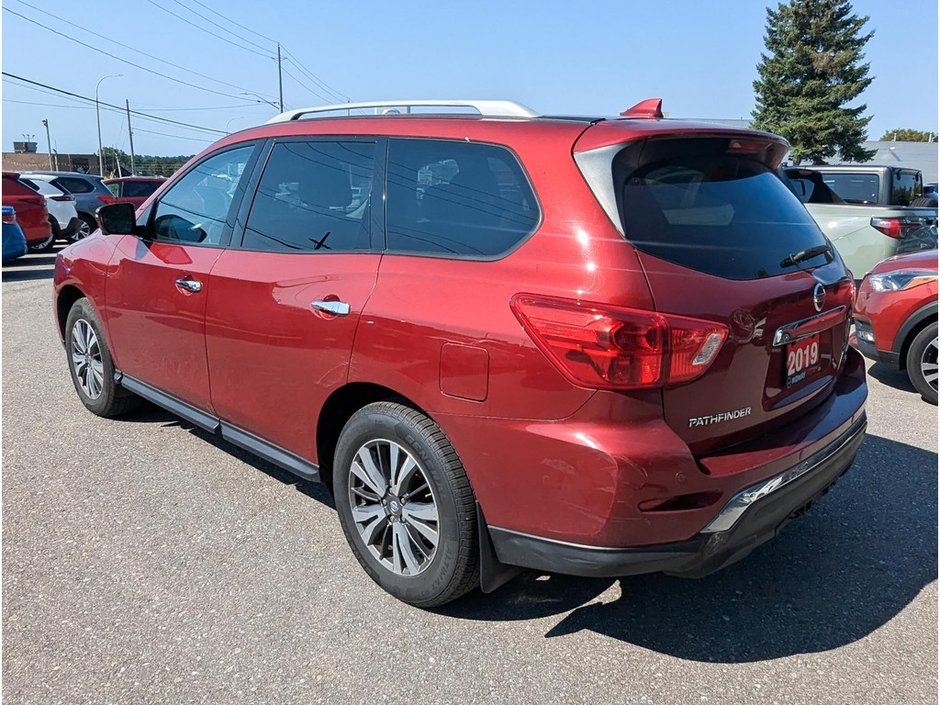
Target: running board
{"points": [[190, 413], [270, 452], [243, 439]]}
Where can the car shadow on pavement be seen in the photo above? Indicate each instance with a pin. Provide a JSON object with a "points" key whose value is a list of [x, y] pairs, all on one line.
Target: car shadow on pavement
{"points": [[855, 561], [891, 377], [22, 275], [150, 413]]}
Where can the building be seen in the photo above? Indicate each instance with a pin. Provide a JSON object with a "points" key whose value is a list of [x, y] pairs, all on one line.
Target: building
{"points": [[39, 161]]}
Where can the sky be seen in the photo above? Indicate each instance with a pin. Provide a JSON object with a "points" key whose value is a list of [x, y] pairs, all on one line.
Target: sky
{"points": [[558, 57]]}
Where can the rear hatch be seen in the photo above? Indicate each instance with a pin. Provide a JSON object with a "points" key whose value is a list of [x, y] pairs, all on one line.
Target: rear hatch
{"points": [[721, 238]]}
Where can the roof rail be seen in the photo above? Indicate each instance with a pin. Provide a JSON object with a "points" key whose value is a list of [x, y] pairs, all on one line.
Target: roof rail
{"points": [[487, 108]]}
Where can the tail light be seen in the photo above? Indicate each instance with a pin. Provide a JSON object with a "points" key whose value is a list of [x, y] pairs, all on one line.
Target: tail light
{"points": [[898, 227], [106, 199], [63, 197], [9, 217], [613, 347]]}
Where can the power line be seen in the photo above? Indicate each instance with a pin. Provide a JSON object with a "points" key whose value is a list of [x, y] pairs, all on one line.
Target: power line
{"points": [[229, 19], [207, 31], [48, 105], [178, 137], [313, 76], [132, 48], [111, 105], [113, 56], [216, 24], [305, 86]]}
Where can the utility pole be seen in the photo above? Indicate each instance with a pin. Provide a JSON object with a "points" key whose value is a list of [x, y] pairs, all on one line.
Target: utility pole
{"points": [[45, 122], [130, 132], [280, 79]]}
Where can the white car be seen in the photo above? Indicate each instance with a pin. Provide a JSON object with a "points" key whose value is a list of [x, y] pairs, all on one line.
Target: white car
{"points": [[63, 216]]}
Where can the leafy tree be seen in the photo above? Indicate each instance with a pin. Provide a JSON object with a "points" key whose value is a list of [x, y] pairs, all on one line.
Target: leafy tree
{"points": [[906, 134], [117, 161], [813, 68]]}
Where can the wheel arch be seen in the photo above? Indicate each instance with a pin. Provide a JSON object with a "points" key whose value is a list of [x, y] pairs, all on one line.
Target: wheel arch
{"points": [[65, 299], [919, 320], [337, 410]]}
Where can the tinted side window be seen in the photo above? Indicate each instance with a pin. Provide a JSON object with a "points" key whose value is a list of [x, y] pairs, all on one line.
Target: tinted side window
{"points": [[73, 184], [195, 208], [313, 197], [905, 188], [138, 189], [456, 198], [854, 188]]}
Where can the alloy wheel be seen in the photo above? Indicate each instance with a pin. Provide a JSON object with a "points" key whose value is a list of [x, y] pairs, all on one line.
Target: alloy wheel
{"points": [[86, 359], [393, 507], [928, 363]]}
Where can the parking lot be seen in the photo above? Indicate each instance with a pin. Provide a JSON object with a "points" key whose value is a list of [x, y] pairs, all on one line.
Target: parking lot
{"points": [[146, 561]]}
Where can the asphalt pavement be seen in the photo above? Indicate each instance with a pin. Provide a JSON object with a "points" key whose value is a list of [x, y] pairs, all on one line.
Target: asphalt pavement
{"points": [[145, 561]]}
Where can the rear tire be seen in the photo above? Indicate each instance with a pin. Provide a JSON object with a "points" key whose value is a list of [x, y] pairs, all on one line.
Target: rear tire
{"points": [[88, 226], [90, 364], [922, 363], [395, 467], [48, 243]]}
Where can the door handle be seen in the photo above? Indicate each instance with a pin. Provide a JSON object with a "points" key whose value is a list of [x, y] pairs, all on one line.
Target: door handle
{"points": [[337, 308], [189, 286]]}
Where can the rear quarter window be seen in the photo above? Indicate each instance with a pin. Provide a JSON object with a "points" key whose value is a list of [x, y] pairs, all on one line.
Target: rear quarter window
{"points": [[456, 199], [74, 185], [138, 189], [694, 203], [854, 188]]}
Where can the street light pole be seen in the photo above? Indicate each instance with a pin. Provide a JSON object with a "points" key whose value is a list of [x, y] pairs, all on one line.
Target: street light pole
{"points": [[45, 122], [262, 99], [98, 118]]}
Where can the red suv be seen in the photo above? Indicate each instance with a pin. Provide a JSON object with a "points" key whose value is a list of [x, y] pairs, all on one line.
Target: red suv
{"points": [[31, 211], [896, 317], [587, 346], [133, 189]]}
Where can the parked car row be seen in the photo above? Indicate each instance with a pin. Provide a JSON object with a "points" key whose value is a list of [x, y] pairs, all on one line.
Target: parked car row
{"points": [[867, 212], [73, 198]]}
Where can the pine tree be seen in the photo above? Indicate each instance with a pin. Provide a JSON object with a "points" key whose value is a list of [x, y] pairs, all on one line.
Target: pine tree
{"points": [[813, 68]]}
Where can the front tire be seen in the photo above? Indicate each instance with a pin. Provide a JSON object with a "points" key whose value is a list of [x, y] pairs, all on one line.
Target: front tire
{"points": [[405, 505], [90, 364], [922, 363]]}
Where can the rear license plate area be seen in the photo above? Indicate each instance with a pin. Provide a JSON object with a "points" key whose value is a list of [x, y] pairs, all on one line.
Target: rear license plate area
{"points": [[803, 359]]}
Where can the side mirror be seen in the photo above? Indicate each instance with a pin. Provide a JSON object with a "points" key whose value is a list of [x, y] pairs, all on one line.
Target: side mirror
{"points": [[117, 219]]}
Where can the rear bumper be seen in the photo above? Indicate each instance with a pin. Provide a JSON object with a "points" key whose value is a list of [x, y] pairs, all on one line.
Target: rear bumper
{"points": [[751, 517]]}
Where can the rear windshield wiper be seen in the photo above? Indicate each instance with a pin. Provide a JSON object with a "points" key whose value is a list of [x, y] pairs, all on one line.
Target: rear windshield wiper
{"points": [[803, 255]]}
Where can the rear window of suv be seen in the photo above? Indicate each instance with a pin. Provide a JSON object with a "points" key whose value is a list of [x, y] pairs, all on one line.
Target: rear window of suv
{"points": [[74, 184], [694, 203]]}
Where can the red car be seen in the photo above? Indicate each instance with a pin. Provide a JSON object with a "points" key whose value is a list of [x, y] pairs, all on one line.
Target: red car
{"points": [[590, 346], [31, 212], [896, 317], [133, 189]]}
